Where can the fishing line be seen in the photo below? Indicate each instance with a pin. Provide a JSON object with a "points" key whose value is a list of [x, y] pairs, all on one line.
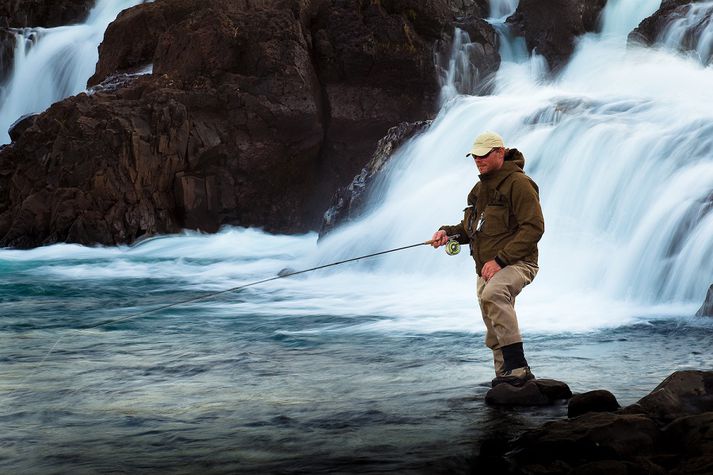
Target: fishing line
{"points": [[452, 248]]}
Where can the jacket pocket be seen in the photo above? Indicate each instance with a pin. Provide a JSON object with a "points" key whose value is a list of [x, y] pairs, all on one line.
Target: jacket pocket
{"points": [[495, 220]]}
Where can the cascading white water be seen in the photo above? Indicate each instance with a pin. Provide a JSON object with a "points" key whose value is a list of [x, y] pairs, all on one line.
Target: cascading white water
{"points": [[622, 16], [501, 9], [621, 148], [459, 75], [693, 32], [53, 63]]}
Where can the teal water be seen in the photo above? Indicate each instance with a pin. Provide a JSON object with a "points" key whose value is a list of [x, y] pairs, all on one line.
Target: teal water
{"points": [[290, 377]]}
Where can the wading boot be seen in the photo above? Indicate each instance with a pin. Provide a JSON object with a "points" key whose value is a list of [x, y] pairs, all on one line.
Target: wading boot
{"points": [[514, 377]]}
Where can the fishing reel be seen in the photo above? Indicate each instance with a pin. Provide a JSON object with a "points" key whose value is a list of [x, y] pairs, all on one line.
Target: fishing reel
{"points": [[452, 247]]}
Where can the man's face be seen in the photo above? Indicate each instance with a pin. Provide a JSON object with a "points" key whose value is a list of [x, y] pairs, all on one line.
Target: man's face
{"points": [[490, 162]]}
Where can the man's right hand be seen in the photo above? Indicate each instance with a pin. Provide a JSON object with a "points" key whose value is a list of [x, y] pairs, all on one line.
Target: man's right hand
{"points": [[440, 238]]}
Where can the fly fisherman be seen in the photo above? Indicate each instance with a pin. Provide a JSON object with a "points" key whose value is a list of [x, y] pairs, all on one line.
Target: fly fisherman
{"points": [[502, 224]]}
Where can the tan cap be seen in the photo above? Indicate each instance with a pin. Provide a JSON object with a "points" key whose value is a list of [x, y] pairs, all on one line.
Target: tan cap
{"points": [[484, 143]]}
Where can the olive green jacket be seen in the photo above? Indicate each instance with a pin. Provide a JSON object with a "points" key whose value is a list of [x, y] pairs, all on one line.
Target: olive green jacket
{"points": [[503, 220]]}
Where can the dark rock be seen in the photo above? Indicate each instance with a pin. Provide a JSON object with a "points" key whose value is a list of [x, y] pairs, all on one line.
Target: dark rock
{"points": [[682, 394], [253, 116], [348, 202], [7, 53], [592, 401], [550, 27], [376, 68], [668, 431], [693, 435], [652, 29], [538, 392], [22, 13], [706, 309], [594, 436], [20, 125], [553, 389]]}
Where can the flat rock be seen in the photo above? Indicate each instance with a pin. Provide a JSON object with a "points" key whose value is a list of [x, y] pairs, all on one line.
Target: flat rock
{"points": [[592, 401], [538, 392]]}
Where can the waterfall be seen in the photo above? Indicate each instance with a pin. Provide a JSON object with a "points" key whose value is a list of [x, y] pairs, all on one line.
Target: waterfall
{"points": [[621, 147], [53, 63], [501, 9], [458, 75], [693, 32], [622, 16]]}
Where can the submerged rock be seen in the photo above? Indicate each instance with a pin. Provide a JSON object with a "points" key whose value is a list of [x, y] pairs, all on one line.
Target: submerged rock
{"points": [[538, 392], [706, 309], [668, 431], [551, 27], [592, 401]]}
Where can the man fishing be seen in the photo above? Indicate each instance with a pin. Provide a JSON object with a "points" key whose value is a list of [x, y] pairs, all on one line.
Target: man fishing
{"points": [[502, 224]]}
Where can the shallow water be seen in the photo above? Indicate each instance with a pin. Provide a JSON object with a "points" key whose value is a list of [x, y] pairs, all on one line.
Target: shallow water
{"points": [[292, 376]]}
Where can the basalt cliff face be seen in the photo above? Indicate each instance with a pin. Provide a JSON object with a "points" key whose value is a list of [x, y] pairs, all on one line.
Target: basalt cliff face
{"points": [[254, 114]]}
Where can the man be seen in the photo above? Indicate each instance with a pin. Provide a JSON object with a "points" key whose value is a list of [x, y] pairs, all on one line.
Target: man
{"points": [[502, 224]]}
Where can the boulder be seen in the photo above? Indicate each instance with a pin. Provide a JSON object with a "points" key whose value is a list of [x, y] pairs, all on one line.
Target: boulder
{"points": [[348, 202], [592, 401], [22, 13], [652, 29], [706, 309], [683, 393], [550, 27], [538, 392]]}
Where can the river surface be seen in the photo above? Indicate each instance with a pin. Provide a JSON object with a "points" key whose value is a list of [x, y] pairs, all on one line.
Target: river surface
{"points": [[338, 370]]}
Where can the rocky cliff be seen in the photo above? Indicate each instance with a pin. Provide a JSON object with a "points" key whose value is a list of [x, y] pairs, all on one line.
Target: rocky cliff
{"points": [[253, 116]]}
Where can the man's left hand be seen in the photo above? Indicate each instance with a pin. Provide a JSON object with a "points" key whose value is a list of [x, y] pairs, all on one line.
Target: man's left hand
{"points": [[490, 269]]}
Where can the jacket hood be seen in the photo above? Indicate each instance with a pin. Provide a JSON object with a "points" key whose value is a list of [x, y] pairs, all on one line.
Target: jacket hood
{"points": [[514, 162], [516, 157]]}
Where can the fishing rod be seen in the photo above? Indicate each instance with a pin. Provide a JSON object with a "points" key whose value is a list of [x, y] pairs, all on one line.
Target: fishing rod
{"points": [[452, 248]]}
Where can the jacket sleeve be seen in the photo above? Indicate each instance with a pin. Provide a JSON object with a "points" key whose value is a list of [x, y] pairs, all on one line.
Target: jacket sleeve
{"points": [[457, 229], [525, 202]]}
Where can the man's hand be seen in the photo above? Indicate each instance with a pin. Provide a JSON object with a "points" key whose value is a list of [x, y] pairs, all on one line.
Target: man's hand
{"points": [[490, 269], [439, 238]]}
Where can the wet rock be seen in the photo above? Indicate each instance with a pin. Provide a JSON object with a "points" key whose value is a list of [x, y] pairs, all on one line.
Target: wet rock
{"points": [[470, 8], [594, 436], [652, 30], [592, 401], [20, 125], [668, 431], [681, 394], [550, 27], [7, 53], [706, 309], [538, 392], [348, 202], [22, 13], [481, 47]]}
